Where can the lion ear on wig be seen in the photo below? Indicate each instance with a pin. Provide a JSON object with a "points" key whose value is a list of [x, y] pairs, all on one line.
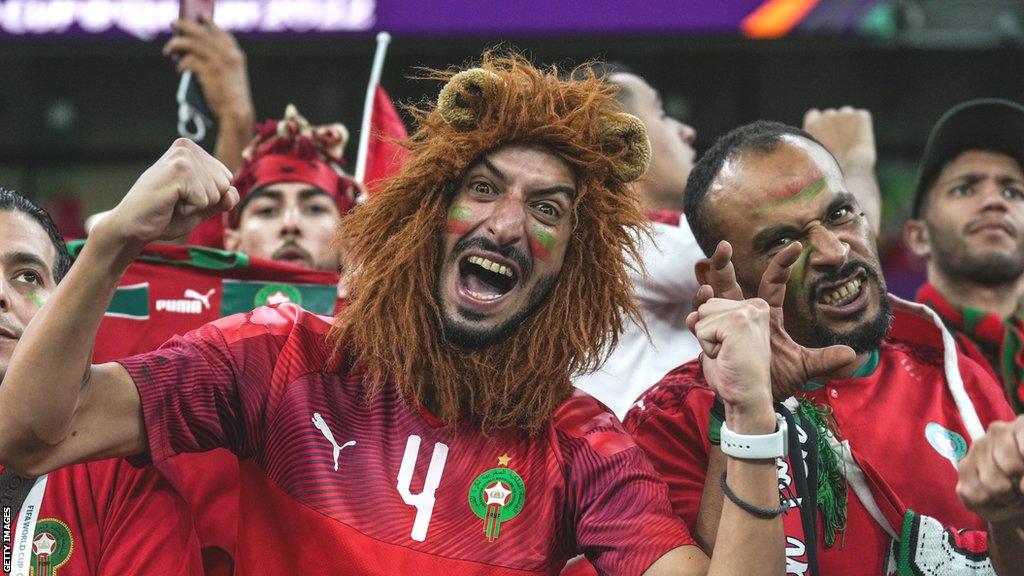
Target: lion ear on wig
{"points": [[467, 96], [625, 136]]}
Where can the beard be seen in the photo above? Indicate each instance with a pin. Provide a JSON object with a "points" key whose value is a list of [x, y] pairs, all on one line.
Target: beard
{"points": [[955, 259], [866, 335], [465, 335]]}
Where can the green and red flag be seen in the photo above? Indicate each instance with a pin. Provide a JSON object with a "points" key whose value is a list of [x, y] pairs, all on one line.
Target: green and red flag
{"points": [[171, 289]]}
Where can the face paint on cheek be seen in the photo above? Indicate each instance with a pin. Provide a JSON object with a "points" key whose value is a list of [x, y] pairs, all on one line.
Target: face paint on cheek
{"points": [[541, 242], [36, 299], [458, 220], [796, 288]]}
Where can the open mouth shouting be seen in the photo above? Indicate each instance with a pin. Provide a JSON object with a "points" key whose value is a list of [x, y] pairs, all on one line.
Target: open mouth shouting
{"points": [[485, 280], [846, 297]]}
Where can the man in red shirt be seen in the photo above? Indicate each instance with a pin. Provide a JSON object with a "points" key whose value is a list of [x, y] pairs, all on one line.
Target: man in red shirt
{"points": [[665, 285], [432, 426], [968, 224], [883, 406], [293, 193], [104, 517]]}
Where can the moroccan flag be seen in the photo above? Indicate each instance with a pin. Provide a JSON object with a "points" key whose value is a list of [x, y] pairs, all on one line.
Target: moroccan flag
{"points": [[171, 289], [384, 157]]}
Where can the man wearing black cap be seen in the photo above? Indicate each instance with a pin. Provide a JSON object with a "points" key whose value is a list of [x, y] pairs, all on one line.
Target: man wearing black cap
{"points": [[968, 224]]}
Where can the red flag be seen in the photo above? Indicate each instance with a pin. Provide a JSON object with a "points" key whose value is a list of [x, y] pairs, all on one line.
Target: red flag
{"points": [[384, 157]]}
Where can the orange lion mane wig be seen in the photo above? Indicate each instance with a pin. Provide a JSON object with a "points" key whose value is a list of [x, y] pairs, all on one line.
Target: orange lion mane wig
{"points": [[392, 247]]}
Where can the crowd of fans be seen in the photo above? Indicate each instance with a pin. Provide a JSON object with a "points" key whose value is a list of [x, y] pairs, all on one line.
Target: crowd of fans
{"points": [[552, 341]]}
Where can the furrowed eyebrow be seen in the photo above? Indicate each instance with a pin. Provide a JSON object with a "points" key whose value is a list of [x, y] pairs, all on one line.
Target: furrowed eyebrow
{"points": [[970, 177], [568, 191], [763, 238], [842, 199], [493, 168]]}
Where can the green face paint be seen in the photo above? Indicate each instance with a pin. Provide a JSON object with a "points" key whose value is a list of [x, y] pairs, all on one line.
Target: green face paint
{"points": [[36, 299], [541, 242], [808, 193], [795, 287], [458, 219]]}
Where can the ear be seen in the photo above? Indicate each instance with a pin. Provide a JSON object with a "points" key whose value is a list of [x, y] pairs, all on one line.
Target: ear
{"points": [[916, 238], [625, 135], [701, 269], [231, 240], [467, 96]]}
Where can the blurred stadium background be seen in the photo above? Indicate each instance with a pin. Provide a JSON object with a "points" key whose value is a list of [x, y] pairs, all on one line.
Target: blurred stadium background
{"points": [[87, 101]]}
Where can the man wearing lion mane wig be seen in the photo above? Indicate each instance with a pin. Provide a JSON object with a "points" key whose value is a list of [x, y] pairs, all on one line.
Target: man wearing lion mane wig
{"points": [[431, 427]]}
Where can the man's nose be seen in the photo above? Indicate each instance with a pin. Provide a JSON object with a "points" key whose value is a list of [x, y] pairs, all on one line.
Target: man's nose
{"points": [[828, 249], [291, 220], [507, 219], [992, 197]]}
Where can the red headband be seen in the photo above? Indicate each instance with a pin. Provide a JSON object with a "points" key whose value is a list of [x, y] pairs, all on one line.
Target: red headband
{"points": [[274, 168], [287, 150]]}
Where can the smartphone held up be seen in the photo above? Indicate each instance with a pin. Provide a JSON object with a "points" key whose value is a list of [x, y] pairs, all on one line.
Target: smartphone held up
{"points": [[193, 113]]}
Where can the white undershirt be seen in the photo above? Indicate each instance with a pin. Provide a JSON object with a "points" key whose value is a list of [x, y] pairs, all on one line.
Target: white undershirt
{"points": [[665, 296]]}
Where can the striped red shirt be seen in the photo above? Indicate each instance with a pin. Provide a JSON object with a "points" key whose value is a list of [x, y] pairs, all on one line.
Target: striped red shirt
{"points": [[378, 487]]}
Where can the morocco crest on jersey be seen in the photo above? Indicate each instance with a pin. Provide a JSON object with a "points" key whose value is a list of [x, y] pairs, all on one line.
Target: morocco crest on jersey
{"points": [[497, 496]]}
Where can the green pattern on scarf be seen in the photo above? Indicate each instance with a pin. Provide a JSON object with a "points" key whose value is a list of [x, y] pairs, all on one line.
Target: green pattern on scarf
{"points": [[971, 319], [987, 339], [906, 547], [198, 257], [832, 494], [1009, 365]]}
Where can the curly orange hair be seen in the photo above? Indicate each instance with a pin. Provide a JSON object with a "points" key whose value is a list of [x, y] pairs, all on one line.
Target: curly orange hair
{"points": [[392, 252]]}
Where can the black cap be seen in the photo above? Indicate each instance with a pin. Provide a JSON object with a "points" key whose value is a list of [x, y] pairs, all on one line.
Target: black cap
{"points": [[984, 124]]}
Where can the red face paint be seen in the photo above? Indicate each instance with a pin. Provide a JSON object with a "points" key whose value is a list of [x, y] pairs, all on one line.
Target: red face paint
{"points": [[794, 188], [458, 220], [788, 196], [541, 242]]}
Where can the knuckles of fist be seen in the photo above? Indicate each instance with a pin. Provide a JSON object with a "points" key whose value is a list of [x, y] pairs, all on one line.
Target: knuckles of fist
{"points": [[992, 474]]}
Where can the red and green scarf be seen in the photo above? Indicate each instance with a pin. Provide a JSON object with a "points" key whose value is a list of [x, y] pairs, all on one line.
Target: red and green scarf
{"points": [[986, 338]]}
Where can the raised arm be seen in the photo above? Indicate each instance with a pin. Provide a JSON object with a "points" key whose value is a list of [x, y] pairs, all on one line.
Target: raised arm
{"points": [[850, 137], [56, 408], [736, 343]]}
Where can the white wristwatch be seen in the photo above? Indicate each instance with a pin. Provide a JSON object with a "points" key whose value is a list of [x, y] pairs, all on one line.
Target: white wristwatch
{"points": [[756, 446]]}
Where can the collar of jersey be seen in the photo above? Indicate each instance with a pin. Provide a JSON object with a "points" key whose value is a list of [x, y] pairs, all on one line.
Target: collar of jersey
{"points": [[865, 369]]}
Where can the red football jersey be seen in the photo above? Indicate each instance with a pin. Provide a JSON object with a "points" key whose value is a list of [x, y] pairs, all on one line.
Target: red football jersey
{"points": [[172, 289], [105, 517], [903, 428], [378, 487]]}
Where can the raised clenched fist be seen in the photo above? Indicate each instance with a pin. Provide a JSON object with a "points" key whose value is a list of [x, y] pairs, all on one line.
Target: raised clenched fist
{"points": [[185, 186], [735, 336], [992, 475], [847, 133]]}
